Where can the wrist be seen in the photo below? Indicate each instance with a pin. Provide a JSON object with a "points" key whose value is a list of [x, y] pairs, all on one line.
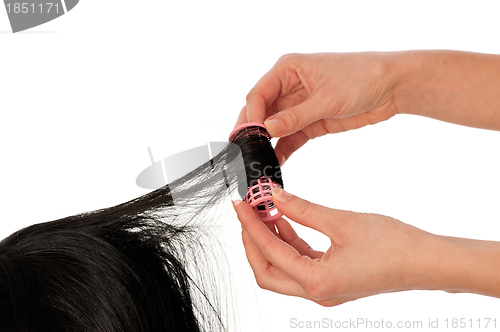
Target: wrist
{"points": [[404, 71], [473, 266], [436, 264], [455, 265]]}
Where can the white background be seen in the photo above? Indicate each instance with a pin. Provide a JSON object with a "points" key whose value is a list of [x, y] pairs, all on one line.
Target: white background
{"points": [[83, 96]]}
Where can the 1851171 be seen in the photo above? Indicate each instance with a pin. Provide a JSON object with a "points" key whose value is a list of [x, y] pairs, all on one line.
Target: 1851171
{"points": [[26, 7]]}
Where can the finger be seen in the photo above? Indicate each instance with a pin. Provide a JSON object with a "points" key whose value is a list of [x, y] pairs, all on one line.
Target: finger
{"points": [[242, 117], [293, 119], [289, 235], [337, 125], [267, 275], [280, 254], [262, 95], [273, 230], [271, 278], [311, 215], [286, 146], [258, 262]]}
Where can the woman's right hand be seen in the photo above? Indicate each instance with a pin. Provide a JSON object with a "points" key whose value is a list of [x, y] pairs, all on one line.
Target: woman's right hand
{"points": [[310, 95], [305, 96]]}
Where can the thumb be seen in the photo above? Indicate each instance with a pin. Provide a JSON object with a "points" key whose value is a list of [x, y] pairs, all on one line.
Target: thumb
{"points": [[291, 120], [311, 215]]}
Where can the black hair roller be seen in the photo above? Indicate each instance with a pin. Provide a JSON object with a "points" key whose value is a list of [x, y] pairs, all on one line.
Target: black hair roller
{"points": [[262, 168]]}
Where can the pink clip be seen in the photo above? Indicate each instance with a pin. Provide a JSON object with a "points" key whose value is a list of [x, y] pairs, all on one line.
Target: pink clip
{"points": [[245, 125], [259, 196]]}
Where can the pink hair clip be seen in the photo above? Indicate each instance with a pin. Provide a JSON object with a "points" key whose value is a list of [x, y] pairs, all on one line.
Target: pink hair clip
{"points": [[260, 197], [243, 126], [259, 194]]}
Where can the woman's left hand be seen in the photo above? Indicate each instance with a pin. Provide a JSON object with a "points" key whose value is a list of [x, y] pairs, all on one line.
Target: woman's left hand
{"points": [[369, 253]]}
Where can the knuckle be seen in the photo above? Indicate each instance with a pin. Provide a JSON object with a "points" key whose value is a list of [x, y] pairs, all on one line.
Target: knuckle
{"points": [[250, 94], [295, 115], [315, 290], [288, 148], [306, 209], [255, 96], [287, 57], [319, 289], [261, 282], [325, 304], [323, 129]]}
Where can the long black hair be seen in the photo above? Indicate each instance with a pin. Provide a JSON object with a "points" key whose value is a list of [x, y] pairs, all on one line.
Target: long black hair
{"points": [[144, 265], [138, 266]]}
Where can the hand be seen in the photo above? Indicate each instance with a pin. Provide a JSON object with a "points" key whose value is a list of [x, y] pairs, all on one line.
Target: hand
{"points": [[312, 95], [369, 254]]}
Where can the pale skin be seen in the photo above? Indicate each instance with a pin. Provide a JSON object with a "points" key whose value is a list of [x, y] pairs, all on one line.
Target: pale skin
{"points": [[312, 95]]}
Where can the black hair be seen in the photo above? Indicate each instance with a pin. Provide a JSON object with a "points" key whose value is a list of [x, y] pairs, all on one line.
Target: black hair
{"points": [[258, 155], [116, 269], [139, 266], [123, 268]]}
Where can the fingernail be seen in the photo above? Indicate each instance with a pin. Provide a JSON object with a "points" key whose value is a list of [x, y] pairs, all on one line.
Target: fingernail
{"points": [[281, 195], [274, 126], [236, 202], [283, 159]]}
